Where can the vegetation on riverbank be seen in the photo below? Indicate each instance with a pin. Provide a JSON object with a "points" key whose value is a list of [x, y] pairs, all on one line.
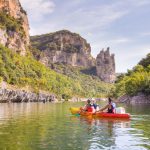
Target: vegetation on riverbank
{"points": [[136, 80], [26, 71]]}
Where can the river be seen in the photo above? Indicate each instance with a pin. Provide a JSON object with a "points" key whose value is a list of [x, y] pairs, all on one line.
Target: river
{"points": [[39, 126]]}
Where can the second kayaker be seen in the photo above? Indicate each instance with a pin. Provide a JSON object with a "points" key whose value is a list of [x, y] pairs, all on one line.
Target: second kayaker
{"points": [[110, 106], [95, 105]]}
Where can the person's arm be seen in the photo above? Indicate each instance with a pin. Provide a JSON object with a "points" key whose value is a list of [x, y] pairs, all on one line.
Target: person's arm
{"points": [[104, 107]]}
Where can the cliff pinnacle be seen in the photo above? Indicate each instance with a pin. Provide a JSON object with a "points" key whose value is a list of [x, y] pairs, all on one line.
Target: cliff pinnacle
{"points": [[105, 66]]}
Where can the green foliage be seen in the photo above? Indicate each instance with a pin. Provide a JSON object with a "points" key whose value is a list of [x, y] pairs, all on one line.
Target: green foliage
{"points": [[1, 79], [135, 81], [88, 85], [145, 61], [26, 71], [11, 24]]}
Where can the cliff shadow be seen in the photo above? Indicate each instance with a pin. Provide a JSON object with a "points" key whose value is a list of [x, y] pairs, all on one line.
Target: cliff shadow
{"points": [[89, 71]]}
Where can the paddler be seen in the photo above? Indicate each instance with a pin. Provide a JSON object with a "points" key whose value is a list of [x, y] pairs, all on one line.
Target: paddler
{"points": [[88, 107], [110, 106]]}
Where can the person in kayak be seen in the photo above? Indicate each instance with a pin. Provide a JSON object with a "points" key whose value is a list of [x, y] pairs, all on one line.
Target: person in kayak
{"points": [[110, 106], [88, 107], [95, 105]]}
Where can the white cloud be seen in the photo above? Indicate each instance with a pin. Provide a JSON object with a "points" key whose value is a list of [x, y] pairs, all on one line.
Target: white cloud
{"points": [[96, 17], [86, 20], [37, 8], [145, 34], [120, 41]]}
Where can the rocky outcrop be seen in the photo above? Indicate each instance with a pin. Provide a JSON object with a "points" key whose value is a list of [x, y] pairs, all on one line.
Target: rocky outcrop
{"points": [[105, 66], [13, 94], [63, 47], [8, 95], [9, 37], [138, 99]]}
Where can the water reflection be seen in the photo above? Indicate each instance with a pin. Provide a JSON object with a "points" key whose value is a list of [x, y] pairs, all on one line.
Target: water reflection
{"points": [[102, 131], [117, 133], [38, 126]]}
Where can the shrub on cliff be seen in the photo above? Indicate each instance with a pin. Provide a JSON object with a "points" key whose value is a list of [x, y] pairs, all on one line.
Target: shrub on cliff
{"points": [[145, 61], [11, 24]]}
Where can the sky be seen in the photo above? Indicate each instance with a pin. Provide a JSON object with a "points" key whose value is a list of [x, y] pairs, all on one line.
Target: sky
{"points": [[122, 25]]}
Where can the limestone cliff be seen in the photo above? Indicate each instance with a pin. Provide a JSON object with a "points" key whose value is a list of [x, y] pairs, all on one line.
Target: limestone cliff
{"points": [[71, 49], [105, 66], [14, 27], [63, 47]]}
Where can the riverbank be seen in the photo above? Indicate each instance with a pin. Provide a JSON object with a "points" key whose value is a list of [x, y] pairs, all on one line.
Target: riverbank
{"points": [[9, 93], [14, 94]]}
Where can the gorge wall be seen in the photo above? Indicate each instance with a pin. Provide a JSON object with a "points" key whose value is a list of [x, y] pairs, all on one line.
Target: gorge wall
{"points": [[71, 49], [63, 47], [14, 26]]}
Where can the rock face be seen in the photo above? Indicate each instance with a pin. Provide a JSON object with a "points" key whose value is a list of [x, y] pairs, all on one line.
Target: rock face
{"points": [[7, 95], [138, 99], [71, 49], [105, 66], [63, 47], [10, 38]]}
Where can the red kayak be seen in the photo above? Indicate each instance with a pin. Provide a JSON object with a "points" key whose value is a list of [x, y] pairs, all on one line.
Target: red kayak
{"points": [[99, 114], [111, 115]]}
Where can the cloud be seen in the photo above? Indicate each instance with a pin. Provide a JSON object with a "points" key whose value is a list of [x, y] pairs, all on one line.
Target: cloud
{"points": [[96, 17], [120, 41], [87, 19], [140, 2], [145, 34], [36, 9]]}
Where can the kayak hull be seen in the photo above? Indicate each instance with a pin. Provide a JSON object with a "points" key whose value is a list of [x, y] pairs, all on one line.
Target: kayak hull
{"points": [[86, 113], [111, 115]]}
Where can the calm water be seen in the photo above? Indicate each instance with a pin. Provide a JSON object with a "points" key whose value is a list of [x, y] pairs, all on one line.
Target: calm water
{"points": [[38, 126]]}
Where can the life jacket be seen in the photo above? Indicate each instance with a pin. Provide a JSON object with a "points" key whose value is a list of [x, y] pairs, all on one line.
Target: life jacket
{"points": [[95, 106], [89, 109], [111, 110]]}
